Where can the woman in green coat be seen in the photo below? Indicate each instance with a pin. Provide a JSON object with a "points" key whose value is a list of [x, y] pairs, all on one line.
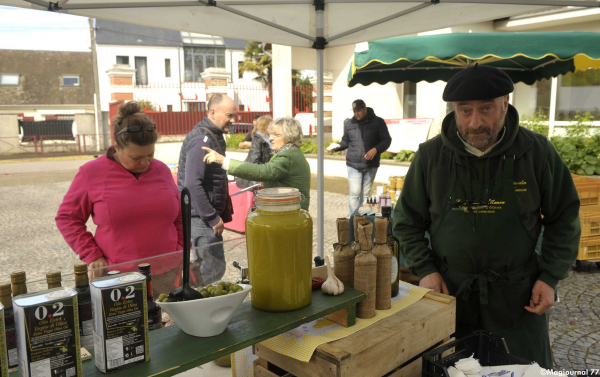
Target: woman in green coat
{"points": [[287, 168]]}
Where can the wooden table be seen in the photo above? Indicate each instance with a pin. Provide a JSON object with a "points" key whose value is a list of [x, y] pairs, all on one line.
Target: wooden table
{"points": [[390, 347], [172, 351]]}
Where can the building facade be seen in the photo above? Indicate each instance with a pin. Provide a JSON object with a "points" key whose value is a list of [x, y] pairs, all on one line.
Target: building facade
{"points": [[37, 84]]}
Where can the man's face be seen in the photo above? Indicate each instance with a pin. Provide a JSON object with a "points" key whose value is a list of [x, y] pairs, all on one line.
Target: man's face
{"points": [[480, 122], [360, 113], [223, 114]]}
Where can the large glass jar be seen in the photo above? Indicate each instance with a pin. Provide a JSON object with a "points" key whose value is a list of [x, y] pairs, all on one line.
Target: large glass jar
{"points": [[279, 241]]}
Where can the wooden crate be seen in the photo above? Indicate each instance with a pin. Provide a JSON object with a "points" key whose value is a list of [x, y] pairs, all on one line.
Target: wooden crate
{"points": [[588, 190], [590, 221], [589, 249], [589, 193], [393, 344]]}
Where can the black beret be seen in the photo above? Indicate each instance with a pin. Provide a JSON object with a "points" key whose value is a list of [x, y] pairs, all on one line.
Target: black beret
{"points": [[478, 83]]}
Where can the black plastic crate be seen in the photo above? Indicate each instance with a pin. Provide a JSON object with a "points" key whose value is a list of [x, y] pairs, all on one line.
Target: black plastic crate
{"points": [[488, 348]]}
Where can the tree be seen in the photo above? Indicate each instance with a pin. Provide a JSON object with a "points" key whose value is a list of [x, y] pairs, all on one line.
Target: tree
{"points": [[257, 59]]}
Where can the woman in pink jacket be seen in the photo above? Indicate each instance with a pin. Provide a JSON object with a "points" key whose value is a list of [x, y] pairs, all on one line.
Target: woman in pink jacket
{"points": [[133, 200]]}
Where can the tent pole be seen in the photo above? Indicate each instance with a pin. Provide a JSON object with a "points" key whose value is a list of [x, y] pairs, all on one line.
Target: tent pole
{"points": [[320, 156], [320, 47]]}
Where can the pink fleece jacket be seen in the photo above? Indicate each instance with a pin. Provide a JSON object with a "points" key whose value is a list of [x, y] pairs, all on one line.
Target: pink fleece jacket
{"points": [[136, 218]]}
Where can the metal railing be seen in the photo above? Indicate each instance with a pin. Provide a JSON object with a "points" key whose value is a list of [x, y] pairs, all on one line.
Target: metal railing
{"points": [[53, 145]]}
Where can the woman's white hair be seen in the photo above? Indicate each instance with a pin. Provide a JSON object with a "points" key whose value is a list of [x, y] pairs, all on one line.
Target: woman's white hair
{"points": [[290, 128]]}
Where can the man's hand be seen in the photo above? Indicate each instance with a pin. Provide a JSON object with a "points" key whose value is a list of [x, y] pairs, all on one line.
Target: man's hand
{"points": [[98, 263], [542, 298], [436, 282], [212, 157], [371, 154], [245, 144], [218, 228]]}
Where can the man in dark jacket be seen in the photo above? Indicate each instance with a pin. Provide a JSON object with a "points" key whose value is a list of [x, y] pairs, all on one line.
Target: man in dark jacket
{"points": [[482, 190], [366, 136], [211, 203]]}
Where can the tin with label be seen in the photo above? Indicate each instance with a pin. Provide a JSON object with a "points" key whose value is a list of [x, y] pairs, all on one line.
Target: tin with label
{"points": [[3, 358], [120, 321], [47, 325]]}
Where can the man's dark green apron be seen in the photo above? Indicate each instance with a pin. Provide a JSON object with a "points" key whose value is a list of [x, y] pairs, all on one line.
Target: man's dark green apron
{"points": [[487, 262]]}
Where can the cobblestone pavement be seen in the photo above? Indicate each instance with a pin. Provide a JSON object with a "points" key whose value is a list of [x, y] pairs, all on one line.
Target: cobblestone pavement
{"points": [[30, 241], [575, 321]]}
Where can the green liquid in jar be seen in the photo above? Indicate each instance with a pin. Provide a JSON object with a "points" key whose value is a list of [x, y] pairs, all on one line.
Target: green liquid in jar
{"points": [[280, 259]]}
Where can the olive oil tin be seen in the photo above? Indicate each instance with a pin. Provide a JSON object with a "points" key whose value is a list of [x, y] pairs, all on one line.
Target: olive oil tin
{"points": [[120, 321], [47, 325], [3, 358]]}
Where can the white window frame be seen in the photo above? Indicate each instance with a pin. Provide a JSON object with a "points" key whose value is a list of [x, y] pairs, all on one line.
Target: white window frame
{"points": [[10, 74], [63, 77]]}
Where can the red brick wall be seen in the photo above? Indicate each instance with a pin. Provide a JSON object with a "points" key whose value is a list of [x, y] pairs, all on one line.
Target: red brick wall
{"points": [[326, 87], [116, 80], [215, 82], [121, 96]]}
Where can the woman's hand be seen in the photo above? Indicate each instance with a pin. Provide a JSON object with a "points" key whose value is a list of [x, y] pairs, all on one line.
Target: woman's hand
{"points": [[98, 263], [212, 157]]}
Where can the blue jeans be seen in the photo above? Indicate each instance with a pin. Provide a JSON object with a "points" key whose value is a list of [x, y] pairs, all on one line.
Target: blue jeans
{"points": [[359, 182], [211, 251]]}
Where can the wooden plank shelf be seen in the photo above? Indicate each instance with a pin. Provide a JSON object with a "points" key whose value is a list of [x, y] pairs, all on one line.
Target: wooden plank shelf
{"points": [[390, 347], [172, 351]]}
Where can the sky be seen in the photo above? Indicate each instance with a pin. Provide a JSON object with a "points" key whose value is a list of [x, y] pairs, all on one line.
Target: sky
{"points": [[27, 29]]}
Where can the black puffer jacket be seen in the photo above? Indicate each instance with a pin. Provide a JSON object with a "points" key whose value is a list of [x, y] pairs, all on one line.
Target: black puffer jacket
{"points": [[362, 136], [259, 153], [207, 183]]}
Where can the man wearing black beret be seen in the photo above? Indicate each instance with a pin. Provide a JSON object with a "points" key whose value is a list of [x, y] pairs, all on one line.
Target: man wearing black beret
{"points": [[482, 191]]}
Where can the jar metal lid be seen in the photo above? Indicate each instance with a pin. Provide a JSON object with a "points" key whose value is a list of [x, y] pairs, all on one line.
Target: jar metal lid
{"points": [[278, 194]]}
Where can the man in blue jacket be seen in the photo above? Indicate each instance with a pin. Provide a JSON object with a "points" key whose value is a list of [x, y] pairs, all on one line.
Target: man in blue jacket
{"points": [[366, 136]]}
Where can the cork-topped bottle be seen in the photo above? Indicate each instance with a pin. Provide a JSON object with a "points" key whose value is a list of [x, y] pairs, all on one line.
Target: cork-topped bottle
{"points": [[343, 255], [54, 279], [18, 280], [382, 252], [9, 325], [356, 245], [365, 271]]}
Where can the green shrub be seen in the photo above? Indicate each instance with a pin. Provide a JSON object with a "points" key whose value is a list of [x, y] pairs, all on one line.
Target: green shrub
{"points": [[539, 123], [580, 147], [405, 155], [308, 147], [387, 156], [234, 139]]}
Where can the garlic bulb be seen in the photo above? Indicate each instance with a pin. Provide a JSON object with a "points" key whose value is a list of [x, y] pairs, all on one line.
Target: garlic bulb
{"points": [[333, 285]]}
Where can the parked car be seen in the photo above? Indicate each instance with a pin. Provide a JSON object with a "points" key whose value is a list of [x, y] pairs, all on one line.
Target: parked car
{"points": [[238, 128]]}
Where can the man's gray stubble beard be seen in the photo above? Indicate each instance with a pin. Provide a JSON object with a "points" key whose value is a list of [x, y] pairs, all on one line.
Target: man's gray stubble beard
{"points": [[491, 137]]}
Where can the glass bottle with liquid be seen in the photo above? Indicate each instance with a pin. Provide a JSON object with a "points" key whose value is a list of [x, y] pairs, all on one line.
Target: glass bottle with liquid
{"points": [[84, 303], [53, 279], [9, 325], [18, 280], [394, 245], [154, 311]]}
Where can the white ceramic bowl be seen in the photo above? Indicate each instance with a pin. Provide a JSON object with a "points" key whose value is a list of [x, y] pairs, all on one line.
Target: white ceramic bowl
{"points": [[208, 316]]}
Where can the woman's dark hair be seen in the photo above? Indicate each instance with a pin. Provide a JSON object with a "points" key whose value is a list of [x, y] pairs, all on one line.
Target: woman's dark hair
{"points": [[129, 114]]}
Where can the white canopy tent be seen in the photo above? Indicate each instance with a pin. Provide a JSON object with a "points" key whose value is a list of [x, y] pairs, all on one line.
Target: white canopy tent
{"points": [[318, 24]]}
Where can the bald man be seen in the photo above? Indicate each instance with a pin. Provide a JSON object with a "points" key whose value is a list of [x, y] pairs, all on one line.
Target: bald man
{"points": [[211, 203]]}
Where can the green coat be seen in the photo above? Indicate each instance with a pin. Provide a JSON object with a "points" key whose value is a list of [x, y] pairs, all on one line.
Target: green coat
{"points": [[286, 169], [482, 215]]}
